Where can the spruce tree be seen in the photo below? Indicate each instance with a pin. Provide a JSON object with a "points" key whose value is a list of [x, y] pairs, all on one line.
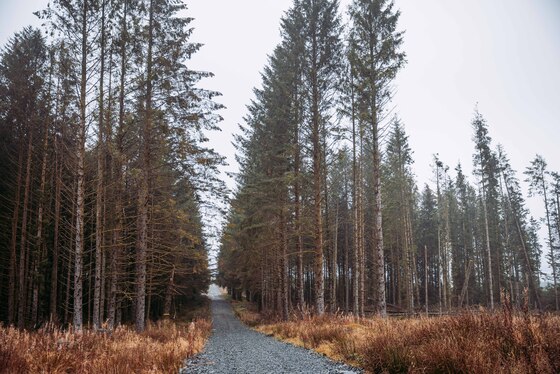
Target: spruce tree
{"points": [[537, 177], [399, 188], [485, 163], [377, 57]]}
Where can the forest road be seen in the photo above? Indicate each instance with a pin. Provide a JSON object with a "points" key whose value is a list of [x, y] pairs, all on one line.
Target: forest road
{"points": [[234, 348]]}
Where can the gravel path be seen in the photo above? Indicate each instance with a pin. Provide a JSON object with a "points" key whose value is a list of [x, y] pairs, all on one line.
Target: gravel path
{"points": [[234, 348]]}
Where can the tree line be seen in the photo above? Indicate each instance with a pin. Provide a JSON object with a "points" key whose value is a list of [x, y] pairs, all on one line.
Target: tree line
{"points": [[105, 171], [328, 215]]}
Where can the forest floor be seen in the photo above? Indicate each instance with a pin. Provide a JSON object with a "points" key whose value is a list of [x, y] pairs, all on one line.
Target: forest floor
{"points": [[234, 348], [470, 342], [162, 348]]}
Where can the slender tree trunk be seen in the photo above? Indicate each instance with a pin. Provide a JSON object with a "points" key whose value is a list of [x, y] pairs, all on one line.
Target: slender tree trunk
{"points": [[379, 273], [361, 231], [169, 294], [334, 262], [439, 260], [426, 300], [109, 197], [57, 205], [550, 241], [558, 212], [446, 288], [149, 293], [23, 242], [284, 266], [69, 261], [99, 201], [346, 266], [39, 241], [355, 205], [142, 224], [13, 242], [102, 296], [297, 199], [80, 191], [112, 297], [409, 260], [506, 242], [415, 276], [317, 188], [488, 251], [119, 181]]}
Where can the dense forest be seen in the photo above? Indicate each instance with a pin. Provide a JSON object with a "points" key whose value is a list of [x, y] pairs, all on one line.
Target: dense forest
{"points": [[105, 171], [328, 214]]}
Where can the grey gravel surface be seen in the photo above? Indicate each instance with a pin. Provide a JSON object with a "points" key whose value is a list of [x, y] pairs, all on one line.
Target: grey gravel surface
{"points": [[234, 348]]}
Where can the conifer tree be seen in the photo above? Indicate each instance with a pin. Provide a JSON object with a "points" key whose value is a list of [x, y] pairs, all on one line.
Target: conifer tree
{"points": [[486, 169], [376, 46], [399, 197], [427, 245], [539, 185], [523, 262], [323, 49]]}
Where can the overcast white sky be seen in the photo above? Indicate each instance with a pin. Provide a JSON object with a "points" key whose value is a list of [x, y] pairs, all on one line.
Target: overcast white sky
{"points": [[502, 54]]}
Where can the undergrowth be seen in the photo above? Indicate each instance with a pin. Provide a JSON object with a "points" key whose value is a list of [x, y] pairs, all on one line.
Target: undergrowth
{"points": [[162, 348], [471, 342]]}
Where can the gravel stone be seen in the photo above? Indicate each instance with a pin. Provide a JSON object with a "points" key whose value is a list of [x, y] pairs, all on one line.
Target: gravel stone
{"points": [[234, 348]]}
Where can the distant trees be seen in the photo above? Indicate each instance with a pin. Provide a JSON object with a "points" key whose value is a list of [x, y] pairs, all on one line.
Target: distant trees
{"points": [[321, 167], [104, 185], [399, 196], [538, 179], [300, 104]]}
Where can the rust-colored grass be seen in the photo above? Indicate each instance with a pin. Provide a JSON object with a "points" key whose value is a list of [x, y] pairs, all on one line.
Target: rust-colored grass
{"points": [[248, 314], [162, 348], [481, 342]]}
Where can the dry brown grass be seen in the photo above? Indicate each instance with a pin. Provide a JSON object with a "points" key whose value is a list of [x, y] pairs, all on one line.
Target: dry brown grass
{"points": [[248, 314], [162, 348], [502, 342]]}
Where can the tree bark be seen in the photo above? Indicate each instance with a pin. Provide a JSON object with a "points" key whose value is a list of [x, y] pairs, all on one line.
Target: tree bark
{"points": [[39, 240], [142, 224], [488, 251], [119, 182], [426, 300], [355, 205], [169, 294], [297, 199], [550, 240], [80, 190], [317, 178], [379, 273], [13, 242], [99, 201], [284, 266], [57, 205], [334, 262], [22, 297]]}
